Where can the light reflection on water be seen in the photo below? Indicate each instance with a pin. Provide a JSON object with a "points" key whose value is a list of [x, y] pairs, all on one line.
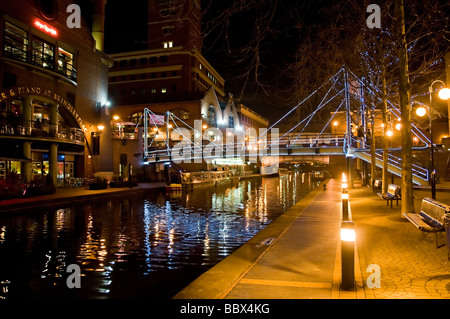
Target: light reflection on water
{"points": [[138, 247]]}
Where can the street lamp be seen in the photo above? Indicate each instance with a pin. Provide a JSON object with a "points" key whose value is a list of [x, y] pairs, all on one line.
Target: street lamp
{"points": [[443, 94]]}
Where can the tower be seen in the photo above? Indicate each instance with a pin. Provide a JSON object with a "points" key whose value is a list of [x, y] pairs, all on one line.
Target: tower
{"points": [[174, 23], [98, 23]]}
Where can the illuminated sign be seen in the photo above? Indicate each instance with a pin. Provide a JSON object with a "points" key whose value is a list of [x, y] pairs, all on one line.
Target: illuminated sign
{"points": [[228, 161], [45, 28]]}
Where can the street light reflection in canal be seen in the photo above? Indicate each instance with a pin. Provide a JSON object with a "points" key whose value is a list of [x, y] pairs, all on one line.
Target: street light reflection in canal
{"points": [[145, 246]]}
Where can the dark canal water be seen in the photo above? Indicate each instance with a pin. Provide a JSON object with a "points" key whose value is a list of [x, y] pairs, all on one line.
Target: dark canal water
{"points": [[145, 246]]}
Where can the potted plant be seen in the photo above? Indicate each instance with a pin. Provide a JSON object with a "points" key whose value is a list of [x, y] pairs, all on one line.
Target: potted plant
{"points": [[99, 183]]}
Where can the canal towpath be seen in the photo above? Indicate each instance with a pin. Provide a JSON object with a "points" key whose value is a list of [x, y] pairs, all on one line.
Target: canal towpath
{"points": [[298, 256]]}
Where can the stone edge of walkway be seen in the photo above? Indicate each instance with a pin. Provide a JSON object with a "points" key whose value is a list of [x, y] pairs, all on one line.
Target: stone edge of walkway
{"points": [[216, 282]]}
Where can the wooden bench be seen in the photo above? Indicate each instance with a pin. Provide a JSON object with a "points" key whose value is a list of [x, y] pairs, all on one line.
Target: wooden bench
{"points": [[431, 217], [393, 192]]}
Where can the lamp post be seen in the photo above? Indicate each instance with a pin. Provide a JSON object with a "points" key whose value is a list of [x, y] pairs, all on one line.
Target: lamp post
{"points": [[444, 94]]}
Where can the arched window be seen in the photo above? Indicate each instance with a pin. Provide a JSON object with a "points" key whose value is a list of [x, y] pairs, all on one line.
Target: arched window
{"points": [[212, 121], [137, 118], [231, 121]]}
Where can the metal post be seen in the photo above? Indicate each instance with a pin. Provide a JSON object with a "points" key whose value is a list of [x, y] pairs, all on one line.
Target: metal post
{"points": [[167, 133], [347, 255], [344, 197], [129, 175], [432, 173], [145, 133]]}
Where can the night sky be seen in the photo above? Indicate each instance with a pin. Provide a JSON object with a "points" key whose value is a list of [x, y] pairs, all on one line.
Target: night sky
{"points": [[126, 30], [237, 32]]}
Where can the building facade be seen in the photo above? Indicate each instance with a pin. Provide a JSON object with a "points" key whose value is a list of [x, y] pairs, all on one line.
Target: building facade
{"points": [[54, 88], [171, 75], [172, 67]]}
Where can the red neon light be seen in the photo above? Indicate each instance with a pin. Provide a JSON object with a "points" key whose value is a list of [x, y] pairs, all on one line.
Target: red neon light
{"points": [[46, 28]]}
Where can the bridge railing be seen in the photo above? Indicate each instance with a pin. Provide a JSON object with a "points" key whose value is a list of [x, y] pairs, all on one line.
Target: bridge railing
{"points": [[396, 162]]}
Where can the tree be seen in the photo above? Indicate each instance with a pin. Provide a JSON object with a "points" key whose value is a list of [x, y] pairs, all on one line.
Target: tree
{"points": [[405, 108], [334, 34]]}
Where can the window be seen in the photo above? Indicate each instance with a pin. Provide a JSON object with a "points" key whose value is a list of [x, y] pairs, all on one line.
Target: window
{"points": [[212, 116], [167, 12], [163, 59], [168, 44], [153, 60], [182, 114], [65, 64], [143, 61], [133, 92], [163, 90], [42, 54], [167, 30], [153, 90], [136, 118], [15, 43], [231, 121], [95, 141], [123, 63]]}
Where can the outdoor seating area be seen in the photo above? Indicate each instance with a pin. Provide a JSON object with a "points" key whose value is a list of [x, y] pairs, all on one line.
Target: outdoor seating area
{"points": [[431, 217], [393, 193]]}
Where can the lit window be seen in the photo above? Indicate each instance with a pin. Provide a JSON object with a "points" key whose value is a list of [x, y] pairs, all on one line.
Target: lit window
{"points": [[168, 44], [43, 54], [15, 43], [65, 64], [212, 116], [163, 90]]}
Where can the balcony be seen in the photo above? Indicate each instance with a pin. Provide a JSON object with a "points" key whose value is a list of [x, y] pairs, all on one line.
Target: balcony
{"points": [[35, 130], [29, 50]]}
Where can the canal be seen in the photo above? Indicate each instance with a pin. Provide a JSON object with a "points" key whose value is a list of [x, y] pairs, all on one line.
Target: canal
{"points": [[144, 246]]}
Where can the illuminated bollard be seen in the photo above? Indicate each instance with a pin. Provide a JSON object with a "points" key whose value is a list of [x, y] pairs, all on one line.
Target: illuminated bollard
{"points": [[344, 197], [347, 255]]}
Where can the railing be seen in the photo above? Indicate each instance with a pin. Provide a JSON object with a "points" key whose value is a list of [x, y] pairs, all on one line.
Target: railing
{"points": [[18, 127], [20, 52], [205, 151], [396, 162], [124, 135], [69, 182]]}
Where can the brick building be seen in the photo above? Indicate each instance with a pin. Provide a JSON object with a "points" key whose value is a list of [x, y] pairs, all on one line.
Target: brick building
{"points": [[53, 88]]}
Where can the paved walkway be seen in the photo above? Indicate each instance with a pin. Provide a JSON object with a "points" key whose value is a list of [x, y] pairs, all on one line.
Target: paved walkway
{"points": [[303, 260], [411, 265]]}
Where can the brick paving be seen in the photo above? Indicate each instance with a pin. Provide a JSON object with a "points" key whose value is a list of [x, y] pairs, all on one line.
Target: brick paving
{"points": [[304, 261], [411, 265]]}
